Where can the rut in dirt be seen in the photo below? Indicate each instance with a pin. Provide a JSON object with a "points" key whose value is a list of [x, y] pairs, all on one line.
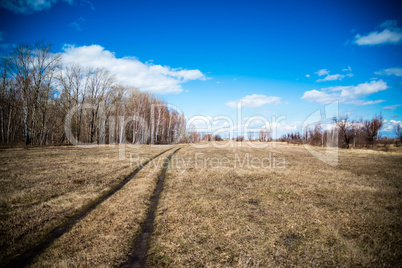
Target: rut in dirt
{"points": [[27, 257], [138, 256]]}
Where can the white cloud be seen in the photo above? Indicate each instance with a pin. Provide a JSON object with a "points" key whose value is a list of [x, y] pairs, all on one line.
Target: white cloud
{"points": [[254, 101], [392, 107], [331, 77], [347, 69], [362, 103], [307, 75], [29, 6], [391, 71], [390, 34], [131, 71], [346, 94], [328, 77], [284, 127], [322, 72], [390, 125]]}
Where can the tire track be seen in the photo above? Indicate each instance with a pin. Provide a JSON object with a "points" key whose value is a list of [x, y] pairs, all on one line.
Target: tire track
{"points": [[138, 256], [27, 257]]}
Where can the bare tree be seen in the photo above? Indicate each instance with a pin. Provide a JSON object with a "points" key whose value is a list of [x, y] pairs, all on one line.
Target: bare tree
{"points": [[371, 129], [100, 85], [21, 67], [44, 65], [240, 138], [346, 131], [5, 101], [33, 68], [37, 94]]}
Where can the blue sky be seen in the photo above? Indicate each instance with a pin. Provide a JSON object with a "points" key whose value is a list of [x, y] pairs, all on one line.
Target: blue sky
{"points": [[279, 57]]}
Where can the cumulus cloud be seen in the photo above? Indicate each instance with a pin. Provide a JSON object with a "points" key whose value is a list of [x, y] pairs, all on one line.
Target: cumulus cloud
{"points": [[391, 71], [30, 6], [390, 125], [392, 107], [284, 127], [130, 71], [331, 77], [390, 34], [307, 75], [322, 72], [254, 101], [346, 94], [328, 77]]}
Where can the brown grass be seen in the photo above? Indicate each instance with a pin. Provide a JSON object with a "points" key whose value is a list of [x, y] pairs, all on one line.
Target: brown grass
{"points": [[301, 212], [41, 187], [105, 236], [306, 214]]}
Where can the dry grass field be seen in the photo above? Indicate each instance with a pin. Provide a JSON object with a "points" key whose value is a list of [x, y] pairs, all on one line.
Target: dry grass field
{"points": [[306, 213], [42, 187], [220, 207], [105, 236]]}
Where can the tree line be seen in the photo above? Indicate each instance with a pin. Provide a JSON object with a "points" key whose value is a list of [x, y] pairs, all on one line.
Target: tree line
{"points": [[345, 133], [44, 101]]}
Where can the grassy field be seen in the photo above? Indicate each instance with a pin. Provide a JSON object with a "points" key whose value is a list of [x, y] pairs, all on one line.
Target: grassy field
{"points": [[305, 213], [220, 207], [42, 187], [104, 237]]}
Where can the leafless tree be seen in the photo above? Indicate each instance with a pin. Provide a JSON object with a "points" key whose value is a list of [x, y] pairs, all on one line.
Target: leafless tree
{"points": [[33, 69], [37, 93], [371, 129], [346, 131], [240, 138]]}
